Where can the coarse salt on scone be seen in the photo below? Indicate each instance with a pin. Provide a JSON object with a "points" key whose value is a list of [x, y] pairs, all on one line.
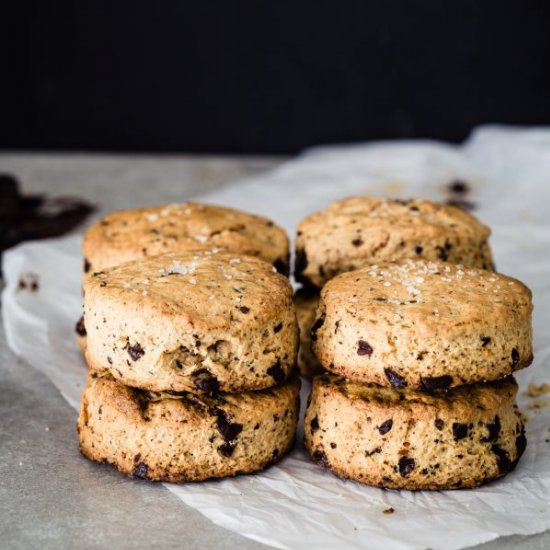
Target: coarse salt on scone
{"points": [[132, 234], [423, 324], [353, 232], [405, 439], [195, 321], [186, 437]]}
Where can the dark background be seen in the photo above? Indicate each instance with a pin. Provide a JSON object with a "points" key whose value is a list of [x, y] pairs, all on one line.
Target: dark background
{"points": [[267, 77]]}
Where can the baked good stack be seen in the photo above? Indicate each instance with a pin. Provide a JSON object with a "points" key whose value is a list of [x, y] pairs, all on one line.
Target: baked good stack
{"points": [[191, 356], [420, 393], [358, 231]]}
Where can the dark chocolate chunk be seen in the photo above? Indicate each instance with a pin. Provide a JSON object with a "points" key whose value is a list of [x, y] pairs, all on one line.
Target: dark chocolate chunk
{"points": [[80, 327], [395, 379], [442, 253], [364, 348], [226, 449], [314, 424], [385, 427], [493, 430], [141, 470], [515, 358], [460, 431], [503, 461], [357, 242], [436, 382], [282, 267], [333, 445], [204, 380], [521, 443], [406, 465], [135, 351], [228, 430], [244, 309], [439, 423], [485, 340], [321, 458], [418, 250], [277, 328], [277, 373], [316, 326], [87, 265]]}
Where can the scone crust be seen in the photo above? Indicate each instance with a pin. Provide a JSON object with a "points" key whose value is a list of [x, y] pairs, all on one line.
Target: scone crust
{"points": [[306, 301], [185, 437], [424, 325], [195, 321], [355, 231], [404, 439], [132, 234]]}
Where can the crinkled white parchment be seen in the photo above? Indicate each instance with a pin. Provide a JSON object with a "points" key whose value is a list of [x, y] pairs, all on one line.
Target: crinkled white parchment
{"points": [[295, 503]]}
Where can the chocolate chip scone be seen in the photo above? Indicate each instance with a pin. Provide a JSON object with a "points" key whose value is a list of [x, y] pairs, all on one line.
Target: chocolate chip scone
{"points": [[405, 439], [132, 234], [194, 321], [424, 325], [353, 232], [306, 301], [184, 437]]}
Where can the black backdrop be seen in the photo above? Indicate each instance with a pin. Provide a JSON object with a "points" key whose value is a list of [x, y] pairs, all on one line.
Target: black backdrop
{"points": [[244, 77]]}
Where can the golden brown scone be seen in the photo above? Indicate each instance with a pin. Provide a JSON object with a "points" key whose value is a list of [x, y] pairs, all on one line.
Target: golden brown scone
{"points": [[405, 439], [359, 230], [306, 301], [194, 321], [132, 234], [185, 437], [423, 324]]}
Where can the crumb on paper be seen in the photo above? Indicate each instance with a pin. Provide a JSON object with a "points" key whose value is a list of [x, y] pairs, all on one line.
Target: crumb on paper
{"points": [[538, 404], [28, 281], [389, 510], [534, 390]]}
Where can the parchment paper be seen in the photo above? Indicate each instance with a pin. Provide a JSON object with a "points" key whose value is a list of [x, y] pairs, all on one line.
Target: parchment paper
{"points": [[295, 503]]}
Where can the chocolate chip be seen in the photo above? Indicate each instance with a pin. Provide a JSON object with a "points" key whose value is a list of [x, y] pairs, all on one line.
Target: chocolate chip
{"points": [[135, 351], [141, 470], [316, 326], [244, 309], [333, 445], [228, 430], [485, 340], [277, 373], [80, 327], [204, 380], [282, 267], [314, 424], [493, 430], [503, 461], [458, 187], [460, 431], [439, 423], [87, 265], [436, 382], [406, 465], [515, 358], [395, 379], [418, 250], [521, 443], [364, 348], [226, 449], [385, 427], [414, 208], [321, 458], [277, 328], [442, 253], [357, 242]]}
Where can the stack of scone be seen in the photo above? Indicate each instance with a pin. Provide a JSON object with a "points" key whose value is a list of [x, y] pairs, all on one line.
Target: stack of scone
{"points": [[191, 342], [420, 351]]}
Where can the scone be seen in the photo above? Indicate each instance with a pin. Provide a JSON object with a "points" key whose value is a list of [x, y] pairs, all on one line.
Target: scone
{"points": [[306, 301], [195, 321], [131, 234], [353, 232], [404, 439], [185, 437], [424, 325]]}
